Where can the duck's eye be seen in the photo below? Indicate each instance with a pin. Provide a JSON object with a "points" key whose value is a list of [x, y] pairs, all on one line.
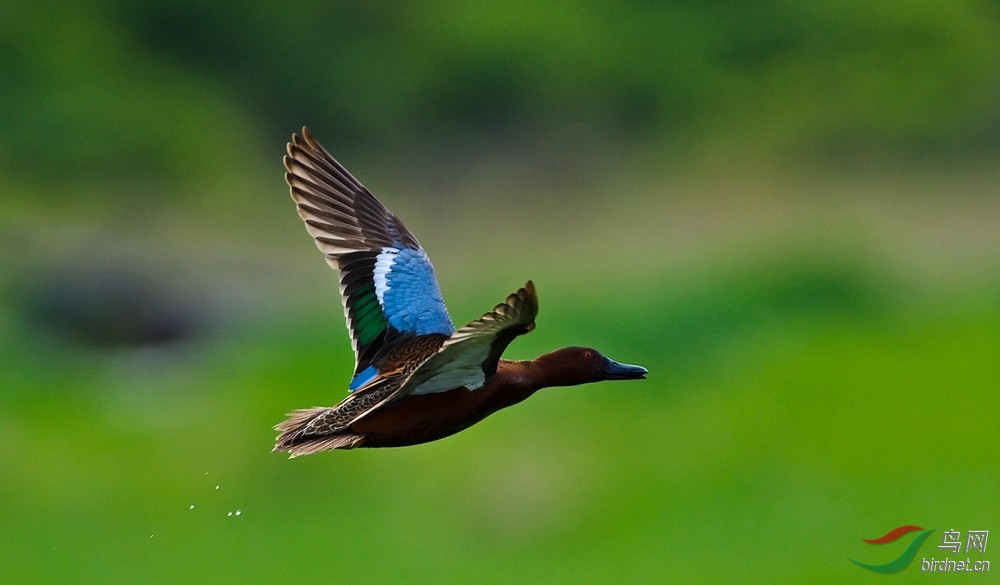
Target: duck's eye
{"points": [[588, 355]]}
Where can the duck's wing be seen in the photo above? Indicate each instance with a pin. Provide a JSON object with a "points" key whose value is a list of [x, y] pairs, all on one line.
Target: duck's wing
{"points": [[469, 357], [387, 283]]}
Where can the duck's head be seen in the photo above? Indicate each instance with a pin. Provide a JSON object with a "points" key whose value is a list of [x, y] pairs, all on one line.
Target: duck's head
{"points": [[570, 366]]}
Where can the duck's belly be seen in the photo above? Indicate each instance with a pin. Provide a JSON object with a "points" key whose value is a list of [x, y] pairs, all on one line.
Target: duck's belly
{"points": [[423, 417]]}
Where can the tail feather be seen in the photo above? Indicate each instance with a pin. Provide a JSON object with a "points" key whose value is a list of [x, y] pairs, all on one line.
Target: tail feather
{"points": [[295, 438]]}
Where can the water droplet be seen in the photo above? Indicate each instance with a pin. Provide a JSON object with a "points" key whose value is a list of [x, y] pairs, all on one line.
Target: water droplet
{"points": [[151, 536], [238, 511], [217, 487], [191, 507], [229, 514]]}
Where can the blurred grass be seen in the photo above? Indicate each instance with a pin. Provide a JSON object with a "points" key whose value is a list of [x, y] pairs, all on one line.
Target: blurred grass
{"points": [[786, 417], [822, 357]]}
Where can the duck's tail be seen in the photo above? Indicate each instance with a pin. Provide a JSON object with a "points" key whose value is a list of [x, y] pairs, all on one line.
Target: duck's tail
{"points": [[297, 436]]}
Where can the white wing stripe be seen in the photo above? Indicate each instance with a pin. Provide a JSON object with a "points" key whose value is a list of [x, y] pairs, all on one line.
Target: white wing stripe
{"points": [[383, 265]]}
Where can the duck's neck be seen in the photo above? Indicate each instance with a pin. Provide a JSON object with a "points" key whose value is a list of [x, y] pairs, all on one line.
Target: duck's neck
{"points": [[517, 380]]}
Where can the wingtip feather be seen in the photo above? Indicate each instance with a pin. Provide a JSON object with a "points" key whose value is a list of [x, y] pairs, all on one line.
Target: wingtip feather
{"points": [[307, 135]]}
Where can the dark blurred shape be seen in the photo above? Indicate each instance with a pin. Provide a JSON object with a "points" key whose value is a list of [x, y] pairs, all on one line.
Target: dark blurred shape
{"points": [[110, 307]]}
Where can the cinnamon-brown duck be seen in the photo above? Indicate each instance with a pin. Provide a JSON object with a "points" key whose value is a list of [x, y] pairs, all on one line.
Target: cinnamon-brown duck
{"points": [[416, 378]]}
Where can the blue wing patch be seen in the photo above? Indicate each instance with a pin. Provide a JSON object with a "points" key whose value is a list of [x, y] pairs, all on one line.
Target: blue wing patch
{"points": [[408, 292], [363, 377]]}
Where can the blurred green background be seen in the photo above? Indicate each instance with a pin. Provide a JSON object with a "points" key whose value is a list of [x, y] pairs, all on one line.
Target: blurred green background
{"points": [[787, 211]]}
